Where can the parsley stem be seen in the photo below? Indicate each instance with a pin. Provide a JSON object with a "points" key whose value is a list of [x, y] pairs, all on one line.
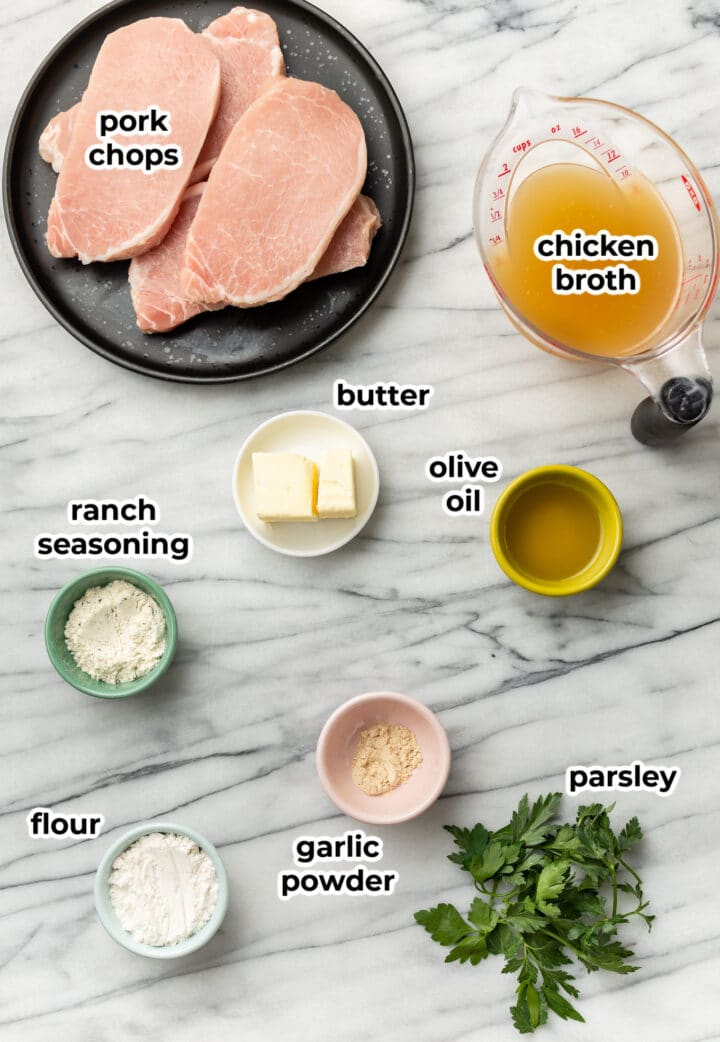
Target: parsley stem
{"points": [[488, 893], [567, 943], [629, 869]]}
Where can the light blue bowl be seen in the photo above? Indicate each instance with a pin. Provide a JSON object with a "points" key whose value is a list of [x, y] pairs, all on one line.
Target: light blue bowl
{"points": [[106, 912]]}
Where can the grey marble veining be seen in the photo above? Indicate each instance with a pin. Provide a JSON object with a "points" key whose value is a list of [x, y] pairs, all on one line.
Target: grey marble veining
{"points": [[269, 645]]}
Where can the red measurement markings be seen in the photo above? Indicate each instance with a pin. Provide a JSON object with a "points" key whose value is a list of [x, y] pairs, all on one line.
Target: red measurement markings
{"points": [[505, 170], [691, 192], [622, 174], [495, 215], [555, 129], [495, 240], [611, 155], [696, 279], [595, 143], [697, 269], [498, 194], [578, 132]]}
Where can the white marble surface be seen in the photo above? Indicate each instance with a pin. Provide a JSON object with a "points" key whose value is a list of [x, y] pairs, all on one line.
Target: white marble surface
{"points": [[270, 645]]}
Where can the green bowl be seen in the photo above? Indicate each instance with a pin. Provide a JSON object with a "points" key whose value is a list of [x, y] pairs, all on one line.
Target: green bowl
{"points": [[57, 617], [106, 912]]}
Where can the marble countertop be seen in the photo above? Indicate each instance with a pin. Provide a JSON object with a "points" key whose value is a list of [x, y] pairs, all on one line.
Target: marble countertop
{"points": [[270, 646]]}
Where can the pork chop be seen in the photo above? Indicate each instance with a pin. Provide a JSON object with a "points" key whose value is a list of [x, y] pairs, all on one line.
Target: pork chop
{"points": [[157, 296], [350, 245], [247, 46], [55, 139], [155, 288], [111, 214], [289, 172]]}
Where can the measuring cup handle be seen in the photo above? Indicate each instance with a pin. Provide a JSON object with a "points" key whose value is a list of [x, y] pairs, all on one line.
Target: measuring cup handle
{"points": [[683, 401]]}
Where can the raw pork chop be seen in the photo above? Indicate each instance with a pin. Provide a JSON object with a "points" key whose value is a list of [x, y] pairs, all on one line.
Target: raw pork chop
{"points": [[55, 139], [288, 174], [247, 46], [350, 245], [106, 215], [157, 294]]}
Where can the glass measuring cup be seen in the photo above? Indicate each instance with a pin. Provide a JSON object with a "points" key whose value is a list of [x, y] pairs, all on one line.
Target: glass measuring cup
{"points": [[542, 130]]}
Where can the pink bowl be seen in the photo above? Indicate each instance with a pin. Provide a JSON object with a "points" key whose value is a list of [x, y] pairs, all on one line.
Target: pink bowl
{"points": [[339, 739]]}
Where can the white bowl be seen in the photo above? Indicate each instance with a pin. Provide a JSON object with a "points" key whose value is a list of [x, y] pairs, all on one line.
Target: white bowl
{"points": [[311, 434]]}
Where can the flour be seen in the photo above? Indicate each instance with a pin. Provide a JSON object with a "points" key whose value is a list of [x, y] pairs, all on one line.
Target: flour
{"points": [[116, 633], [163, 888]]}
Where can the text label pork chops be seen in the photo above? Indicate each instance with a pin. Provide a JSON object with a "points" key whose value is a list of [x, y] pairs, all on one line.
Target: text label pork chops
{"points": [[107, 154]]}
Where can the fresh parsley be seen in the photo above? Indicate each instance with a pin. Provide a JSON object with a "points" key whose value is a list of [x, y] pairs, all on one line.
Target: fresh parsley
{"points": [[547, 893]]}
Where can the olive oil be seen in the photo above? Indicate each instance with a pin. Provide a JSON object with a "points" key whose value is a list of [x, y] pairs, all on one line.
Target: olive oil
{"points": [[552, 531]]}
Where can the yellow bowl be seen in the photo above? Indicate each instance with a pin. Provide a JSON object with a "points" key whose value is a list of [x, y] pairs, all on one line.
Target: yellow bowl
{"points": [[609, 517]]}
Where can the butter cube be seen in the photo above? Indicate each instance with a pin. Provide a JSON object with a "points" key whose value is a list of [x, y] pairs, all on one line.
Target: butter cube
{"points": [[336, 491], [285, 487]]}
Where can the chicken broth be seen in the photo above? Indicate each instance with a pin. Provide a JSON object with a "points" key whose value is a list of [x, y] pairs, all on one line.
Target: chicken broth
{"points": [[566, 197]]}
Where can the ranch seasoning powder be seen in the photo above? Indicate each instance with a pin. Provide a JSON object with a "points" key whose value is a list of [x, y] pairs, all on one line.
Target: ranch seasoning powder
{"points": [[116, 633]]}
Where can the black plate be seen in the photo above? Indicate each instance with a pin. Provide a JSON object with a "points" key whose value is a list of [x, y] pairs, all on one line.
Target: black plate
{"points": [[93, 302]]}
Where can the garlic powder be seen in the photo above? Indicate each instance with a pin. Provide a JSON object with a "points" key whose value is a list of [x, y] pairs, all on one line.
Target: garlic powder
{"points": [[386, 756]]}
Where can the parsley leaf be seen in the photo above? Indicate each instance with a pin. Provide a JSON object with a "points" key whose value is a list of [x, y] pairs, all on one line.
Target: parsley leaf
{"points": [[491, 861], [470, 843], [483, 916], [549, 886], [561, 1006], [530, 825], [444, 924], [630, 835]]}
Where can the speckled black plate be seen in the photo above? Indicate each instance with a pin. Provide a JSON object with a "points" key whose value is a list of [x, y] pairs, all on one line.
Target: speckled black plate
{"points": [[93, 302]]}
